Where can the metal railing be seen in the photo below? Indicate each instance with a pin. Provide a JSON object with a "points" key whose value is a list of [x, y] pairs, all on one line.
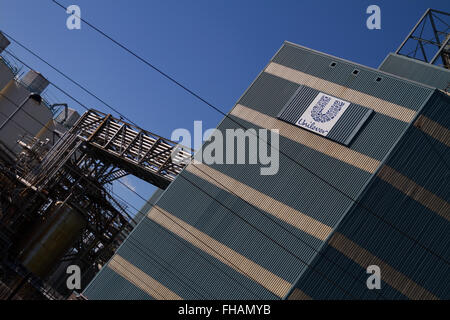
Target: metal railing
{"points": [[137, 151], [14, 69]]}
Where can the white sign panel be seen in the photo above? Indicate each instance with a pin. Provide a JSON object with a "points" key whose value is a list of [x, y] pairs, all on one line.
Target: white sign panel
{"points": [[322, 114]]}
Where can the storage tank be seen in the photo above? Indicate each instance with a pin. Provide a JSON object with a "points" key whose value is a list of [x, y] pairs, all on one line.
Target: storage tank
{"points": [[4, 42], [35, 82], [6, 72], [21, 112], [51, 239]]}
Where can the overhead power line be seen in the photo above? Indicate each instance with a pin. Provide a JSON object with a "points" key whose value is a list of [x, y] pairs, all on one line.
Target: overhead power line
{"points": [[68, 78], [241, 217], [87, 92], [129, 204], [370, 211], [256, 208], [307, 265], [259, 210], [146, 62], [115, 109]]}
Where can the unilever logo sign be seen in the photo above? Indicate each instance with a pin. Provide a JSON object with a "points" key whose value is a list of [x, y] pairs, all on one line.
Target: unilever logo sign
{"points": [[322, 114]]}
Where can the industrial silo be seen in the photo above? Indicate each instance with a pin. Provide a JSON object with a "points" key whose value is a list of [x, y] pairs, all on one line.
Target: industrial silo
{"points": [[21, 109], [50, 239], [6, 72]]}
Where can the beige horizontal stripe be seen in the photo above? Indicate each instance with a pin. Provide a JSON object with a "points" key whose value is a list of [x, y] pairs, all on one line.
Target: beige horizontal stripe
{"points": [[141, 279], [262, 201], [297, 294], [379, 105], [307, 138], [415, 191], [221, 252], [433, 129], [394, 278]]}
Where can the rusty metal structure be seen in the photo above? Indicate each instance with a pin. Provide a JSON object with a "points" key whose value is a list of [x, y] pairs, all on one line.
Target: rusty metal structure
{"points": [[61, 194]]}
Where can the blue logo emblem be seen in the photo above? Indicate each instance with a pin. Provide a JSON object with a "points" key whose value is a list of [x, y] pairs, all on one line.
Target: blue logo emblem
{"points": [[317, 110]]}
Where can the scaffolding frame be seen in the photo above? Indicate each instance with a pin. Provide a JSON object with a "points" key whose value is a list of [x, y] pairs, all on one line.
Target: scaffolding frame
{"points": [[78, 170], [438, 39]]}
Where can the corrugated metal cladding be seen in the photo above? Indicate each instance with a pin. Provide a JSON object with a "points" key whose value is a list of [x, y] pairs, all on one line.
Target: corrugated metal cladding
{"points": [[146, 207], [224, 231], [416, 70], [402, 223]]}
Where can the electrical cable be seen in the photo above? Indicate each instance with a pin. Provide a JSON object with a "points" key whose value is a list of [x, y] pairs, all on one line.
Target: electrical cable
{"points": [[125, 117], [391, 225], [229, 209], [234, 213], [139, 211], [116, 111]]}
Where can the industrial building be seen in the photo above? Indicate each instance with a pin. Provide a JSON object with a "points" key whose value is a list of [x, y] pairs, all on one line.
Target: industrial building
{"points": [[372, 189], [362, 182], [57, 207]]}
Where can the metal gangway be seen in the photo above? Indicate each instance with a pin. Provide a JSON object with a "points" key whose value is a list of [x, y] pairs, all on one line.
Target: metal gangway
{"points": [[130, 150]]}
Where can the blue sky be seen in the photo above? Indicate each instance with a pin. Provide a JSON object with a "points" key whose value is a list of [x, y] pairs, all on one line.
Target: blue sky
{"points": [[214, 47]]}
